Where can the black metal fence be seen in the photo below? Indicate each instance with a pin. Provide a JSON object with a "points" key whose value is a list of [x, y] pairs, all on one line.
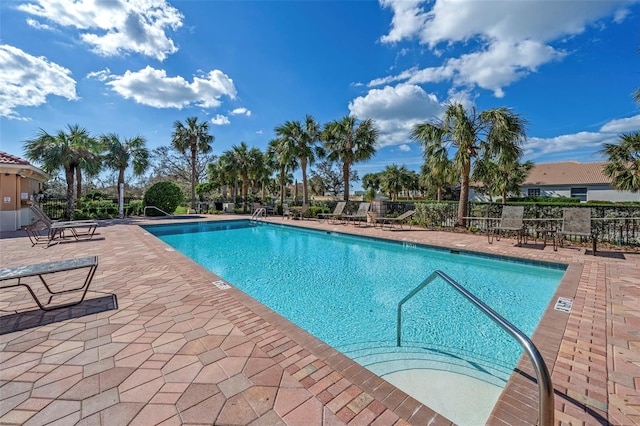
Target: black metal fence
{"points": [[615, 224]]}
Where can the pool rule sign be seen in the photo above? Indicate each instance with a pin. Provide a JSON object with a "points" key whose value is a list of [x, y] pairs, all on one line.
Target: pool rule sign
{"points": [[564, 304]]}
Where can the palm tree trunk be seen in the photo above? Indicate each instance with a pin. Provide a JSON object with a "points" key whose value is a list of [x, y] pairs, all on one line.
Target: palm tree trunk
{"points": [[345, 172], [305, 192], [245, 191], [193, 175], [282, 186], [78, 186], [439, 194], [69, 176], [464, 195]]}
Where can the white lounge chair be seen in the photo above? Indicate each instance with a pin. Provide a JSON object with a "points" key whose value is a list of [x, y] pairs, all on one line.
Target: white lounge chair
{"points": [[391, 221], [336, 214]]}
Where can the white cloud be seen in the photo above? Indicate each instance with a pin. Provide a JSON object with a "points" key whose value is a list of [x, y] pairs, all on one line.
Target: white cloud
{"points": [[537, 147], [404, 147], [512, 37], [241, 111], [27, 80], [114, 27], [39, 26], [622, 125], [153, 87], [259, 132], [220, 120], [396, 110]]}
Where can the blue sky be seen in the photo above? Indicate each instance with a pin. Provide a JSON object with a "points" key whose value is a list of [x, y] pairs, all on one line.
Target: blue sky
{"points": [[135, 67]]}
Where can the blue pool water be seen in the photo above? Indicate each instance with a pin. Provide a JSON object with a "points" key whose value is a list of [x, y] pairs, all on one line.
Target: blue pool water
{"points": [[345, 290]]}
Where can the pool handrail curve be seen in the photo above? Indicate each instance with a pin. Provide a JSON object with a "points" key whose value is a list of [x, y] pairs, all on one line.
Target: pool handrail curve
{"points": [[545, 387]]}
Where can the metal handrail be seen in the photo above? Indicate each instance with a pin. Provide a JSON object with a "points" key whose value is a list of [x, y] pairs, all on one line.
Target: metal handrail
{"points": [[261, 211], [545, 387], [144, 212]]}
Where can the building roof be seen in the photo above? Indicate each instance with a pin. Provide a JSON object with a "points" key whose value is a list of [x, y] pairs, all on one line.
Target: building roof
{"points": [[6, 158], [567, 173]]}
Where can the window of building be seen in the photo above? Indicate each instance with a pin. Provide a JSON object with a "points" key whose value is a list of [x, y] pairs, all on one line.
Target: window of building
{"points": [[580, 193], [533, 192]]}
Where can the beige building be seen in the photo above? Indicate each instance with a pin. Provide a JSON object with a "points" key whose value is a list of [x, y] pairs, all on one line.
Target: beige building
{"points": [[20, 182], [585, 181]]}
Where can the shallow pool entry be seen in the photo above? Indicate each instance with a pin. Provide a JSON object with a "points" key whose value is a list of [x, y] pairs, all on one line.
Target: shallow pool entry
{"points": [[345, 290]]}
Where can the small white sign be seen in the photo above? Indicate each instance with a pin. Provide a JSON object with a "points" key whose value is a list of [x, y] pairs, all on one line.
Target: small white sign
{"points": [[221, 285], [564, 304], [24, 195], [7, 200]]}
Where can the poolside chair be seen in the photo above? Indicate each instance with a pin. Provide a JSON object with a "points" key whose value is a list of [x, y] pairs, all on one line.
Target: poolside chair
{"points": [[304, 212], [358, 216], [391, 221], [576, 221], [286, 211], [15, 278], [511, 221], [336, 214], [56, 229]]}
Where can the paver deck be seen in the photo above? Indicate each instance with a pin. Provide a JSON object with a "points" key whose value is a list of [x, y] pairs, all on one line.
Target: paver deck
{"points": [[156, 343]]}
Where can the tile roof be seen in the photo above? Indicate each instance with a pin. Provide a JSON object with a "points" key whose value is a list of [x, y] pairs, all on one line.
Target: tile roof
{"points": [[6, 158], [567, 173]]}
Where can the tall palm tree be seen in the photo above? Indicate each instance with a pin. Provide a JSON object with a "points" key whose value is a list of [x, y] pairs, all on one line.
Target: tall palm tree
{"points": [[492, 131], [247, 162], [281, 153], [120, 154], [303, 138], [193, 137], [65, 150], [349, 142], [623, 164]]}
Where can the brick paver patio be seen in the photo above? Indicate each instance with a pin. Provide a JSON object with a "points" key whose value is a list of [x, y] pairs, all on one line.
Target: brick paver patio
{"points": [[172, 348]]}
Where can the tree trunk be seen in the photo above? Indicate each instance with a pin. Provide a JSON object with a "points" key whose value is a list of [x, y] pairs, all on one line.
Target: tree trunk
{"points": [[464, 195], [305, 192], [194, 151], [78, 186], [282, 190], [439, 194], [345, 172], [69, 176], [245, 191]]}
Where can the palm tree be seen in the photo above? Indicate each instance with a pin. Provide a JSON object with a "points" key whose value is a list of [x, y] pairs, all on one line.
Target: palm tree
{"points": [[303, 138], [194, 137], [437, 171], [623, 164], [247, 162], [349, 142], [393, 179], [122, 154], [501, 177], [281, 153], [67, 150], [489, 133]]}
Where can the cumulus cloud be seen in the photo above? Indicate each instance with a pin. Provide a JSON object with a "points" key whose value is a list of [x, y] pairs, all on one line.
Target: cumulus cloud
{"points": [[114, 27], [220, 120], [27, 80], [622, 125], [404, 147], [241, 111], [512, 37], [155, 88], [396, 110], [537, 147]]}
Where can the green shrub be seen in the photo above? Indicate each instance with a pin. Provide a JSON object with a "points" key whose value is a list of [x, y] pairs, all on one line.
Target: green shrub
{"points": [[134, 208], [166, 196]]}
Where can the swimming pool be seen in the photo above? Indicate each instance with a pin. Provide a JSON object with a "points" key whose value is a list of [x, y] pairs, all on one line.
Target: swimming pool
{"points": [[345, 290]]}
